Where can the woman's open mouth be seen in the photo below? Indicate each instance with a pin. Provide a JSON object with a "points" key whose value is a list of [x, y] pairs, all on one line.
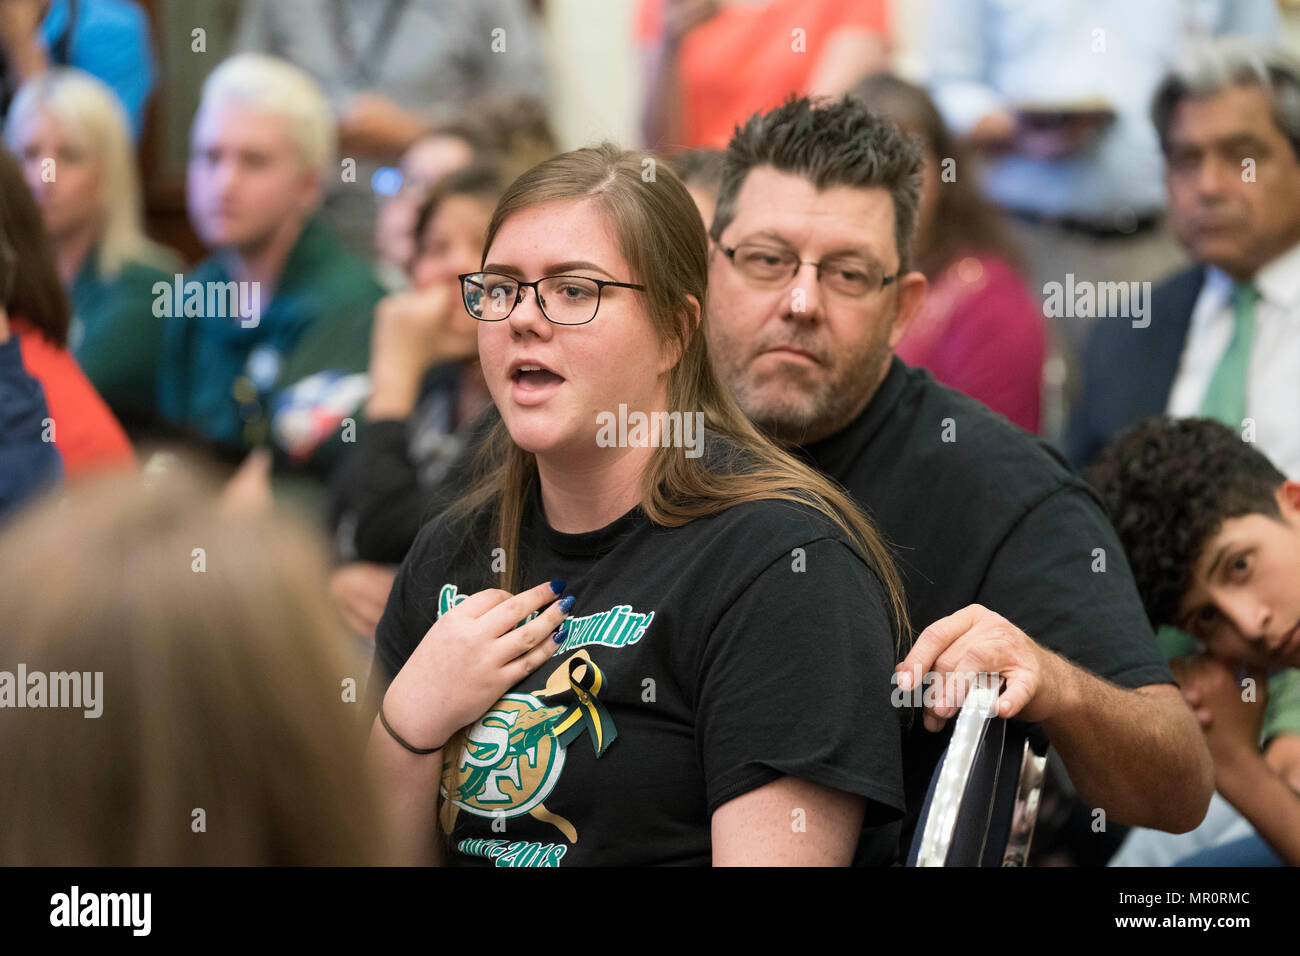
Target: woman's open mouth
{"points": [[533, 383]]}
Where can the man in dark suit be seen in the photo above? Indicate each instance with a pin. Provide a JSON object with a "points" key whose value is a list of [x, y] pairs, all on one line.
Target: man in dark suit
{"points": [[1223, 339], [1129, 370]]}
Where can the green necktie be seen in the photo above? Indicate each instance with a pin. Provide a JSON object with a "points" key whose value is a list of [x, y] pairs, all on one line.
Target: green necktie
{"points": [[1225, 398]]}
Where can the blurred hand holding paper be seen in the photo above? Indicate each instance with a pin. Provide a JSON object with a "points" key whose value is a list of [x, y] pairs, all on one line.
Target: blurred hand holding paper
{"points": [[1058, 129]]}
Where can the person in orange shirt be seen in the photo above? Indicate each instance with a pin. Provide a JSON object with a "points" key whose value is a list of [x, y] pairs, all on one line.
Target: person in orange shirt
{"points": [[710, 64], [81, 426]]}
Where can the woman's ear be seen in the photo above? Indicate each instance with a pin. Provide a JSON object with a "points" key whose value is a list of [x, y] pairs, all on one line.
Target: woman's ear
{"points": [[693, 315], [690, 322]]}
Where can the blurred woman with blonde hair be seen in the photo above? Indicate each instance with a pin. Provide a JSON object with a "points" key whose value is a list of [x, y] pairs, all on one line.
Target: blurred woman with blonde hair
{"points": [[187, 695], [70, 133]]}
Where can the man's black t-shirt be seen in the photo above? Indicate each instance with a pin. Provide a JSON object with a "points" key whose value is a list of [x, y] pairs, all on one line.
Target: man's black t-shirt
{"points": [[731, 651], [980, 512]]}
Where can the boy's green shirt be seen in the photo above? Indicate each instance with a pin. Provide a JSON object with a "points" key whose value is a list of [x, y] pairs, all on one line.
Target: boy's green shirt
{"points": [[1282, 716]]}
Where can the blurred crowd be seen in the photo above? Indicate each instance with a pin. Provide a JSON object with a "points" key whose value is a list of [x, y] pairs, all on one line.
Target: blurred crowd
{"points": [[1108, 226]]}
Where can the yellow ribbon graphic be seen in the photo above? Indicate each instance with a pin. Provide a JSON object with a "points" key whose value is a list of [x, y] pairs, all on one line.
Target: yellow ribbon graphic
{"points": [[585, 683]]}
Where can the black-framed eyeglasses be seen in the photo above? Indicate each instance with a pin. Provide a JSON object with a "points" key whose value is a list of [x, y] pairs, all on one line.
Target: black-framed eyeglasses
{"points": [[768, 265], [564, 300]]}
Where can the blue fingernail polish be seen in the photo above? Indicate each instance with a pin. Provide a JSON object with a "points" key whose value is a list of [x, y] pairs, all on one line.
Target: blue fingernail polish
{"points": [[567, 603], [558, 585], [561, 634]]}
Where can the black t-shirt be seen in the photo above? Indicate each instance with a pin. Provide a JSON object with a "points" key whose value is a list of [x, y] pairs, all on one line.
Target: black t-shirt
{"points": [[734, 650], [404, 471], [980, 512]]}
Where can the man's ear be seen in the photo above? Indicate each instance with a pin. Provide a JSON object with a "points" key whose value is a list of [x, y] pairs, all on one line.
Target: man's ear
{"points": [[313, 190], [911, 295]]}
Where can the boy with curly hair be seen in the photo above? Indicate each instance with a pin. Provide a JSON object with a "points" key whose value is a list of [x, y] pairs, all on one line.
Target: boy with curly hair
{"points": [[1211, 529]]}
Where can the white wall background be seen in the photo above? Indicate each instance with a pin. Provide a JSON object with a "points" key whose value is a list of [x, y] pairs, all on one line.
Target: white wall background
{"points": [[595, 71]]}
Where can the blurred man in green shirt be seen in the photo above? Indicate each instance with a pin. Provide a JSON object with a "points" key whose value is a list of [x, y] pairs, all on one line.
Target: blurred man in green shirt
{"points": [[266, 342]]}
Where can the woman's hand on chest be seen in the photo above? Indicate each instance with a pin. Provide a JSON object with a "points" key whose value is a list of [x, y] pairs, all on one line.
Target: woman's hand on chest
{"points": [[473, 654]]}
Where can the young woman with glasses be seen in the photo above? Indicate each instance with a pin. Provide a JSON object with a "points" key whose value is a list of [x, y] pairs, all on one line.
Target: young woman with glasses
{"points": [[704, 674]]}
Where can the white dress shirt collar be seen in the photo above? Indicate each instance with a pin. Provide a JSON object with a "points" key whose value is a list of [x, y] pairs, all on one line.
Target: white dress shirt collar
{"points": [[1278, 281]]}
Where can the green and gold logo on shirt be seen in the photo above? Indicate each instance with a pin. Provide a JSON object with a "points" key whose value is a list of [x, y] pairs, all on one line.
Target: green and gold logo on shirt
{"points": [[510, 761], [512, 758]]}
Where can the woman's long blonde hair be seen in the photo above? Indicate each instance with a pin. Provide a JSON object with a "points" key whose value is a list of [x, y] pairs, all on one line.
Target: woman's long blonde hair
{"points": [[224, 687], [90, 113], [661, 235]]}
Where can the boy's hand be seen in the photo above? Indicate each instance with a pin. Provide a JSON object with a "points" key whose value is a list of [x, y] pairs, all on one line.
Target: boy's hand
{"points": [[1283, 757], [1231, 724]]}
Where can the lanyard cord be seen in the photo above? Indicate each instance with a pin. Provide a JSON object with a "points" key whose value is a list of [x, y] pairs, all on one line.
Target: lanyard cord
{"points": [[363, 71], [62, 49]]}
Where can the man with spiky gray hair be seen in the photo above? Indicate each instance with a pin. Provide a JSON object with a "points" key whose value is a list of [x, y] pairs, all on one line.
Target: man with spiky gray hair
{"points": [[1008, 561]]}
